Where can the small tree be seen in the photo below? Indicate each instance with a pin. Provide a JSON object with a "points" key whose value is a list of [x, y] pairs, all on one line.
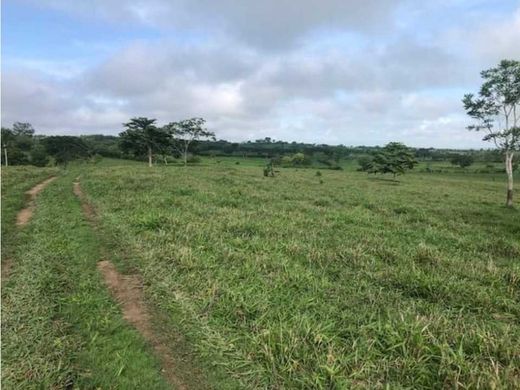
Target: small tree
{"points": [[142, 137], [462, 160], [186, 132], [269, 168], [496, 110], [394, 158], [298, 159]]}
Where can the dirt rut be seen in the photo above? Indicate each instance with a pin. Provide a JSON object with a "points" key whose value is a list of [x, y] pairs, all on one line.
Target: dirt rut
{"points": [[88, 210], [127, 290], [25, 215]]}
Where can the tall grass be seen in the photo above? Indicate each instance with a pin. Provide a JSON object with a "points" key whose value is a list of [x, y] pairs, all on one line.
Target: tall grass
{"points": [[341, 281]]}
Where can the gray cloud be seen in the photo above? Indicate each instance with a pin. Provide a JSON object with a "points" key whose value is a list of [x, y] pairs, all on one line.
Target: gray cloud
{"points": [[267, 24], [269, 69]]}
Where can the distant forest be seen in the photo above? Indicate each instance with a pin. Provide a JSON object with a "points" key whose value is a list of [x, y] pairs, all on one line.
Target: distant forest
{"points": [[22, 146]]}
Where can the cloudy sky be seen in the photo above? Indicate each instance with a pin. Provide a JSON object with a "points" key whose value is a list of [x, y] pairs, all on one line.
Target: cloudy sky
{"points": [[322, 71]]}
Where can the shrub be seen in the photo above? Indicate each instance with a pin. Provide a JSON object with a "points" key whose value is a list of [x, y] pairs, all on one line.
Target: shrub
{"points": [[193, 159]]}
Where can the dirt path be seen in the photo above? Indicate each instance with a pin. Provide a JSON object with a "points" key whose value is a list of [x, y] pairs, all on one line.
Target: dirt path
{"points": [[7, 264], [22, 218], [25, 215], [88, 210], [127, 291]]}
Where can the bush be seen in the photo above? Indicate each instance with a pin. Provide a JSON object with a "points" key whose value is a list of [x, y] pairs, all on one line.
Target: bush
{"points": [[193, 159], [462, 160]]}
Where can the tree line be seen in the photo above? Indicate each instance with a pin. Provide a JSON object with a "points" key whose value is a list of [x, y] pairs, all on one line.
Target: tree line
{"points": [[22, 146]]}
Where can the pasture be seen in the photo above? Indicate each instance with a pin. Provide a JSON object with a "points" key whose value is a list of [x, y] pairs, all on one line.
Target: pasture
{"points": [[332, 281]]}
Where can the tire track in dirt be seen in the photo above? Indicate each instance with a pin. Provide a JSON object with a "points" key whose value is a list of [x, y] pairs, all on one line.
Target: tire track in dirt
{"points": [[127, 291], [22, 218], [24, 215]]}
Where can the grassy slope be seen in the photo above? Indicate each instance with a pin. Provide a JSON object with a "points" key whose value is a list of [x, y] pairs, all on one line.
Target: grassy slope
{"points": [[358, 281], [59, 324]]}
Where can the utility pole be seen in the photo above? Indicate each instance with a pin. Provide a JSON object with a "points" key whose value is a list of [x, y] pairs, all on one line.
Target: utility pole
{"points": [[5, 155]]}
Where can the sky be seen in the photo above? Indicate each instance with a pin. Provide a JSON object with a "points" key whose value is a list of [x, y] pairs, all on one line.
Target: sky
{"points": [[319, 71]]}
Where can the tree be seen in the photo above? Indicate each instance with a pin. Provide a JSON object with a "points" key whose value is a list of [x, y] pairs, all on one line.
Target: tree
{"points": [[365, 163], [39, 156], [142, 137], [298, 159], [23, 129], [65, 148], [7, 141], [186, 132], [462, 160], [16, 144], [496, 110], [394, 158]]}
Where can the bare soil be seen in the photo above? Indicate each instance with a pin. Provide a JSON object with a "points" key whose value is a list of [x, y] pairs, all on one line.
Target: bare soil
{"points": [[127, 290], [7, 264], [88, 210], [25, 215]]}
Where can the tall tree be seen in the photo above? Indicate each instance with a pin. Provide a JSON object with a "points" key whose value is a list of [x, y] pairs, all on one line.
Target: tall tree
{"points": [[142, 137], [23, 129], [496, 110], [186, 132]]}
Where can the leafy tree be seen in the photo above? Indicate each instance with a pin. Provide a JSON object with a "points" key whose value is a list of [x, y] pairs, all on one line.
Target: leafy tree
{"points": [[39, 156], [394, 158], [23, 129], [462, 160], [23, 132], [65, 148], [496, 110], [142, 137], [186, 132], [15, 145], [298, 159], [365, 163]]}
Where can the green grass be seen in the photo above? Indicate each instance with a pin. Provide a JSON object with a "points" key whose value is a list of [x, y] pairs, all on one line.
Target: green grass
{"points": [[358, 282], [60, 328], [15, 182], [338, 281]]}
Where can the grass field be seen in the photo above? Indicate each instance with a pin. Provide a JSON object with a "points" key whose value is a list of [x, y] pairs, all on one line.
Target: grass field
{"points": [[60, 329], [298, 281]]}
